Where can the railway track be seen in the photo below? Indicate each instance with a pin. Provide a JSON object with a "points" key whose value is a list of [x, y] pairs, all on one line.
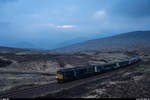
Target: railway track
{"points": [[54, 87]]}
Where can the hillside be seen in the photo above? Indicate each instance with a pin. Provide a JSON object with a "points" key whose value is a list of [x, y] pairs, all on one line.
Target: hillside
{"points": [[130, 40], [26, 69]]}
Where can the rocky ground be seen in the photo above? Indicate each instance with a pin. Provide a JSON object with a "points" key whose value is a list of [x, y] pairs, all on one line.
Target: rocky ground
{"points": [[129, 82], [24, 69]]}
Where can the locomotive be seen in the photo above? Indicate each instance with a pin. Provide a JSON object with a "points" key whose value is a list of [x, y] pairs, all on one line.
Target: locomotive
{"points": [[70, 74]]}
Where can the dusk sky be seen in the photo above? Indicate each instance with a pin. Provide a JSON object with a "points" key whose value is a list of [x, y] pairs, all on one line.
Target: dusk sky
{"points": [[46, 23]]}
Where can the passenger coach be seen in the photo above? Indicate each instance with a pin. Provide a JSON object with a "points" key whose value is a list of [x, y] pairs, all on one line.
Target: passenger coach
{"points": [[70, 74]]}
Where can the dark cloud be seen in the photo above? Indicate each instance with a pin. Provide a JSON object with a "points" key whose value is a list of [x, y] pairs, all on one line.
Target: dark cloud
{"points": [[5, 1], [131, 8], [31, 20]]}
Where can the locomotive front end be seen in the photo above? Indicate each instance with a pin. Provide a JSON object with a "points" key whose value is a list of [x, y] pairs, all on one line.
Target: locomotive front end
{"points": [[59, 77]]}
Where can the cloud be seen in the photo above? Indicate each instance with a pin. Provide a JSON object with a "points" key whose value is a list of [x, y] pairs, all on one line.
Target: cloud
{"points": [[132, 8], [35, 17], [5, 1], [62, 26], [65, 26], [99, 14]]}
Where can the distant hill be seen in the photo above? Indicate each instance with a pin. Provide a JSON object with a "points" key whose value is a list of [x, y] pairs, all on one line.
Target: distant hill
{"points": [[24, 45], [130, 40], [11, 49], [20, 44], [82, 39]]}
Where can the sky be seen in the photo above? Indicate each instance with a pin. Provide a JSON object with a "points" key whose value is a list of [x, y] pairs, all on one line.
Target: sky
{"points": [[48, 23]]}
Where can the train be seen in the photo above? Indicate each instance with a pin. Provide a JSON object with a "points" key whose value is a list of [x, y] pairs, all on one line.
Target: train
{"points": [[70, 74]]}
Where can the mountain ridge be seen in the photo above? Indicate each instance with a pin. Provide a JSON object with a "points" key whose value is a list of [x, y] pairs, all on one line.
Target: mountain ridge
{"points": [[131, 40]]}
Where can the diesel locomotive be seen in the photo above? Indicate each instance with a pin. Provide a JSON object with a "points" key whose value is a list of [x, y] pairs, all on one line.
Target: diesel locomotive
{"points": [[70, 74]]}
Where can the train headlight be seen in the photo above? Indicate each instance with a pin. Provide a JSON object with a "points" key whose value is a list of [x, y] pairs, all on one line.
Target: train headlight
{"points": [[59, 76]]}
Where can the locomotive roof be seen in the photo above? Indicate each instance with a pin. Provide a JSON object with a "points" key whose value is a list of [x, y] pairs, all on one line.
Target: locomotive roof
{"points": [[105, 63], [79, 67], [123, 60]]}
